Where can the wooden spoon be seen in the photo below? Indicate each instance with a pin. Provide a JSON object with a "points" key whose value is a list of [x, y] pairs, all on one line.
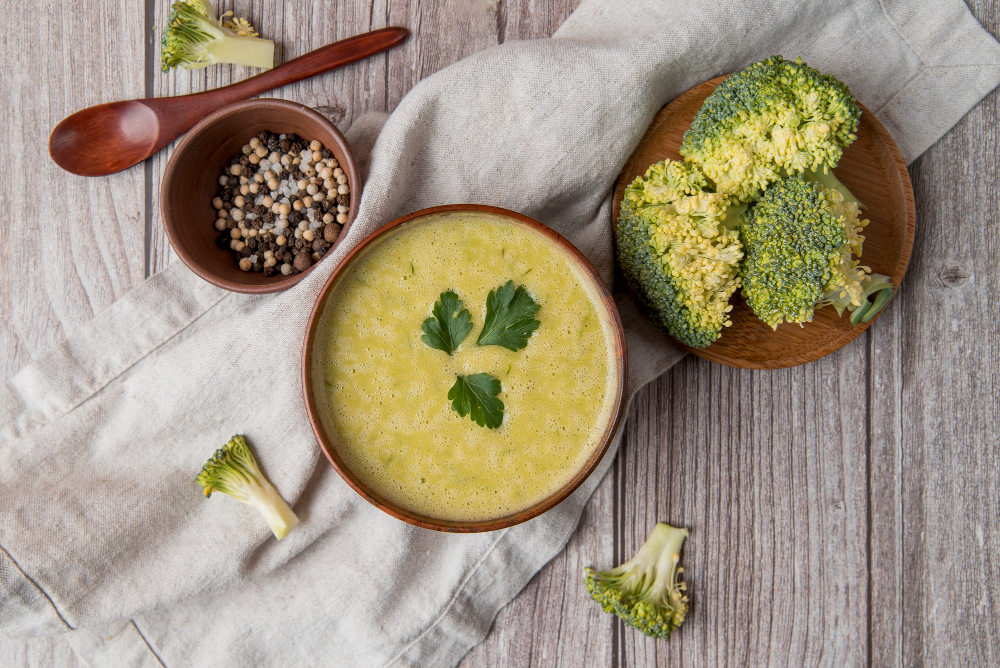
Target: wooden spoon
{"points": [[108, 138]]}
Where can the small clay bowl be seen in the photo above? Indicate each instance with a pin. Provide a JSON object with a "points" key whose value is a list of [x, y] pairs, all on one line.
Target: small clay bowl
{"points": [[314, 395], [191, 181]]}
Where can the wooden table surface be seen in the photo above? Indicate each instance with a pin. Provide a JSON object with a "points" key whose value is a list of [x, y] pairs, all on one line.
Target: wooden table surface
{"points": [[841, 513]]}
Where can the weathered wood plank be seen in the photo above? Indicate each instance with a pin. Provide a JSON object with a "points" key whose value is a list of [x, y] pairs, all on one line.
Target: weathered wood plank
{"points": [[767, 471], [935, 367], [552, 622], [69, 257]]}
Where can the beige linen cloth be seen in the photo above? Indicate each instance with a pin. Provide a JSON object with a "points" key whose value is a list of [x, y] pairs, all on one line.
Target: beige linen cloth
{"points": [[105, 536]]}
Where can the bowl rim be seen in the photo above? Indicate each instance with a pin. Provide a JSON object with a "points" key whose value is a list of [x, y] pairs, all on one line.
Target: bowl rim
{"points": [[193, 135], [493, 524]]}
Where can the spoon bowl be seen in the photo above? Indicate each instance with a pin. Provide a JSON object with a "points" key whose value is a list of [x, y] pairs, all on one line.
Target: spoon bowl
{"points": [[131, 129]]}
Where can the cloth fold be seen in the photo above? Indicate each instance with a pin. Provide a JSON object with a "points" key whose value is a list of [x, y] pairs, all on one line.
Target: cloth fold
{"points": [[103, 533]]}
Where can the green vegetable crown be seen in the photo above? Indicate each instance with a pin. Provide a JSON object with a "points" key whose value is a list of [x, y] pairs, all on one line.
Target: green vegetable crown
{"points": [[774, 117], [231, 470], [800, 239], [678, 251], [645, 591]]}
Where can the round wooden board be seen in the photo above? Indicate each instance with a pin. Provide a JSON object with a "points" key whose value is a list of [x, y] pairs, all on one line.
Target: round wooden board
{"points": [[872, 168]]}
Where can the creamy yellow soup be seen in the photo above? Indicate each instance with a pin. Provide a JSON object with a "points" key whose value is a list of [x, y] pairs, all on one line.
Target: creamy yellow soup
{"points": [[386, 390]]}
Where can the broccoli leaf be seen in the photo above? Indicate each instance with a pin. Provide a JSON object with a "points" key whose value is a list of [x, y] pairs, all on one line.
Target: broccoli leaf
{"points": [[450, 324], [477, 395], [509, 317]]}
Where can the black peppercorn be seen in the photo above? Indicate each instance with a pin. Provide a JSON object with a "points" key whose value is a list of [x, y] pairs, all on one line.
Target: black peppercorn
{"points": [[344, 200]]}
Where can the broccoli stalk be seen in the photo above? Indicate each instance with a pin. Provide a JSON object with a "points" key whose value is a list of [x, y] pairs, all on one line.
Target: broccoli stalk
{"points": [[194, 38], [233, 470], [644, 591]]}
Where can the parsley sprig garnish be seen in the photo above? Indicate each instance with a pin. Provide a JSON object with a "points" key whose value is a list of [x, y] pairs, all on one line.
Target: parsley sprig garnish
{"points": [[510, 317], [509, 323], [477, 395], [449, 325]]}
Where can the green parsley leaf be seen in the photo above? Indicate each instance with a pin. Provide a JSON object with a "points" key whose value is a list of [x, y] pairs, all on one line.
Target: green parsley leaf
{"points": [[509, 317], [478, 395], [449, 326]]}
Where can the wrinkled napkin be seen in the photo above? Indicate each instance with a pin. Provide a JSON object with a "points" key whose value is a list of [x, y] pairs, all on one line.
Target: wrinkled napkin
{"points": [[103, 533]]}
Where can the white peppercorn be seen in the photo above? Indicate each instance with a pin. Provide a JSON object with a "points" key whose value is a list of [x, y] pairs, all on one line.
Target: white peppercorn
{"points": [[341, 218], [286, 269], [220, 224], [217, 203], [245, 264], [343, 189], [236, 169]]}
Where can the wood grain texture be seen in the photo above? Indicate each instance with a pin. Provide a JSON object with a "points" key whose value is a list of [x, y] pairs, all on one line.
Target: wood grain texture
{"points": [[842, 513], [871, 168], [68, 258]]}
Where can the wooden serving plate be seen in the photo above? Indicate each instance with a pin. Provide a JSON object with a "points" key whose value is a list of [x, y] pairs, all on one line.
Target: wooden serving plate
{"points": [[872, 168]]}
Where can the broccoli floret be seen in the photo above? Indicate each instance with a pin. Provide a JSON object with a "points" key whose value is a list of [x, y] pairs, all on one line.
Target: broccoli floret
{"points": [[233, 470], [194, 38], [644, 591], [774, 117], [802, 241], [679, 251]]}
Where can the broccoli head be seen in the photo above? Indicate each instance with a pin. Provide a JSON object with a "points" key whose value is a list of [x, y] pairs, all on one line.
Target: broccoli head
{"points": [[679, 251], [773, 118], [644, 591], [233, 470], [194, 38], [801, 241]]}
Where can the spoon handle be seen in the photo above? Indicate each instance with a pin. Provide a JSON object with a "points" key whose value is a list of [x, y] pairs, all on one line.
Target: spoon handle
{"points": [[178, 114]]}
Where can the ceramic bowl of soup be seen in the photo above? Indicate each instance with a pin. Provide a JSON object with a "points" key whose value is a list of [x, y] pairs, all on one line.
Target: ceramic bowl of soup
{"points": [[380, 397]]}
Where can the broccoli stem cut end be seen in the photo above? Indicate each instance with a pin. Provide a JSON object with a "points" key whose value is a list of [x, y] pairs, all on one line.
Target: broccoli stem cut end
{"points": [[273, 509], [240, 50]]}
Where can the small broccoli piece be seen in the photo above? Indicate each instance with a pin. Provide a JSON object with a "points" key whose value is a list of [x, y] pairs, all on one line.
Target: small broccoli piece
{"points": [[802, 241], [233, 470], [194, 38], [679, 251], [644, 591], [773, 117]]}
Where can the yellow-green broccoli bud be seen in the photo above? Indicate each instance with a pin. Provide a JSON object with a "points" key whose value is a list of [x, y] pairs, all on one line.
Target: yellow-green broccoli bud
{"points": [[679, 252], [644, 591], [233, 470], [194, 38], [773, 118], [802, 242]]}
